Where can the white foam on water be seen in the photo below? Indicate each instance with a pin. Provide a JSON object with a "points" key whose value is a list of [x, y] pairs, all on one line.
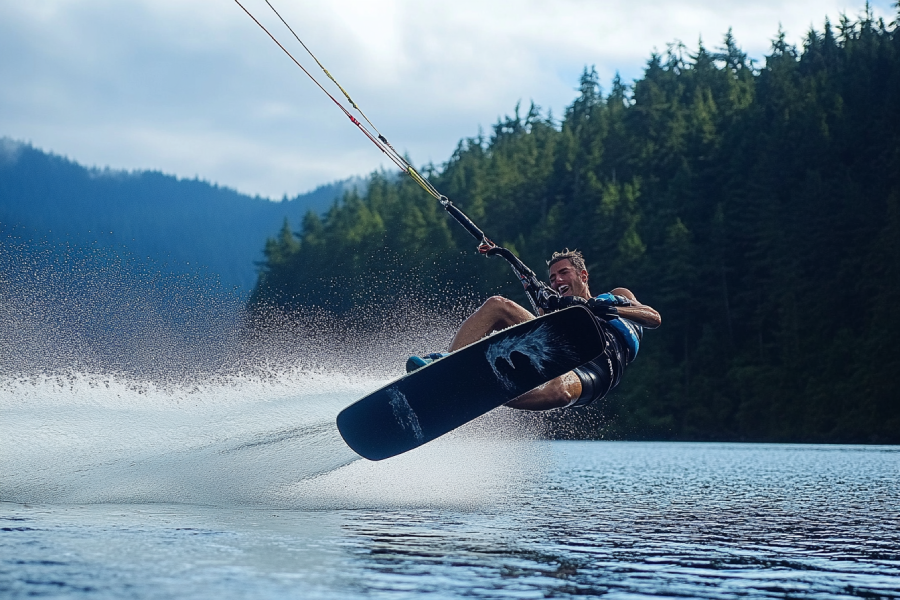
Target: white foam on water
{"points": [[103, 439], [122, 385], [461, 472], [235, 441]]}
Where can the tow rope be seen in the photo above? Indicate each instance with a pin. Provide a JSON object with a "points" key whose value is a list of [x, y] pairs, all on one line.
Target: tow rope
{"points": [[534, 288]]}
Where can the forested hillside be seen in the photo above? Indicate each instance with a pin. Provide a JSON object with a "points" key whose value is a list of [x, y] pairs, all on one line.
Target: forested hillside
{"points": [[181, 224], [756, 206]]}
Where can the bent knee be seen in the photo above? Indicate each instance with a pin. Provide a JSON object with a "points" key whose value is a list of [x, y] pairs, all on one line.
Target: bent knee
{"points": [[505, 311], [497, 303]]}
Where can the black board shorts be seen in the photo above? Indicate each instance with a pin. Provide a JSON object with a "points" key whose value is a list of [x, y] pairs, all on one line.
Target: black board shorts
{"points": [[602, 374]]}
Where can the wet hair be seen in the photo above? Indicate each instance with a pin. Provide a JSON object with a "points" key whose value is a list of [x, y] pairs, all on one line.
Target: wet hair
{"points": [[573, 256]]}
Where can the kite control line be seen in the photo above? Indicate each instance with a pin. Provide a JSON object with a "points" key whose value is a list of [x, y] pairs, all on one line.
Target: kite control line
{"points": [[534, 288]]}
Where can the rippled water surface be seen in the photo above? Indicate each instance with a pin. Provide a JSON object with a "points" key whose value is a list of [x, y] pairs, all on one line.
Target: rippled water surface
{"points": [[517, 519]]}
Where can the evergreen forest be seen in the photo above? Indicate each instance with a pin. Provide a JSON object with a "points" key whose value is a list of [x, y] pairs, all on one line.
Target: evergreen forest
{"points": [[755, 205]]}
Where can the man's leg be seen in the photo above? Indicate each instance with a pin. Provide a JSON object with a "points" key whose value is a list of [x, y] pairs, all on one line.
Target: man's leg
{"points": [[499, 313], [560, 392], [495, 314]]}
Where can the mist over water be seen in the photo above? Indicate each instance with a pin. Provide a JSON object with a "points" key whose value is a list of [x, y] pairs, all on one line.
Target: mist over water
{"points": [[123, 383]]}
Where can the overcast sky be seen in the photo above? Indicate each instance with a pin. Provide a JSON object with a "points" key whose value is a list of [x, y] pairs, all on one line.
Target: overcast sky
{"points": [[195, 88]]}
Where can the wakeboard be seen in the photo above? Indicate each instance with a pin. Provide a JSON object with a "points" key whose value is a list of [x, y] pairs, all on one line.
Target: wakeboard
{"points": [[436, 399]]}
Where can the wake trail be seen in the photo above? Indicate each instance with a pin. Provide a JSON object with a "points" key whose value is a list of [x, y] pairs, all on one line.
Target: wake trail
{"points": [[235, 443], [120, 383], [100, 439]]}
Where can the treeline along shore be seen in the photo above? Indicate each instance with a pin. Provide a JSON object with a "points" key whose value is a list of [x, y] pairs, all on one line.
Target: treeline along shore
{"points": [[756, 206]]}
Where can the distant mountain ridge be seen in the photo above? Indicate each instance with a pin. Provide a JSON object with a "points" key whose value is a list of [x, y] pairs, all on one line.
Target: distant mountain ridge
{"points": [[177, 222]]}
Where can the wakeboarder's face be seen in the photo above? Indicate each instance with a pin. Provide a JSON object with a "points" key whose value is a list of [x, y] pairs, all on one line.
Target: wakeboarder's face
{"points": [[567, 280]]}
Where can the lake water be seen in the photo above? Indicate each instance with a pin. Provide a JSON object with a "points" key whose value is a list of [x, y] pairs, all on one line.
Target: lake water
{"points": [[243, 489]]}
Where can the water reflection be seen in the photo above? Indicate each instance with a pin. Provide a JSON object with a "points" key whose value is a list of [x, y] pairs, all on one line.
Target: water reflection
{"points": [[694, 520], [619, 520]]}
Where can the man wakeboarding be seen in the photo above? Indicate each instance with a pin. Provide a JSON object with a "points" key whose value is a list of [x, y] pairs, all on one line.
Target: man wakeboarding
{"points": [[619, 315]]}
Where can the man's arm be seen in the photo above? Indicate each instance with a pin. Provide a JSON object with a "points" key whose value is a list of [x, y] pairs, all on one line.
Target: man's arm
{"points": [[637, 312]]}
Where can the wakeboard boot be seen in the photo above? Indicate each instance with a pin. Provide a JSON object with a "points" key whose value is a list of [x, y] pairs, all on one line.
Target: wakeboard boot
{"points": [[413, 363]]}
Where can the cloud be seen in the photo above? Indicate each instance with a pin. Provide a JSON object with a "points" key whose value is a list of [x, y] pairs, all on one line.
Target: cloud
{"points": [[196, 89]]}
